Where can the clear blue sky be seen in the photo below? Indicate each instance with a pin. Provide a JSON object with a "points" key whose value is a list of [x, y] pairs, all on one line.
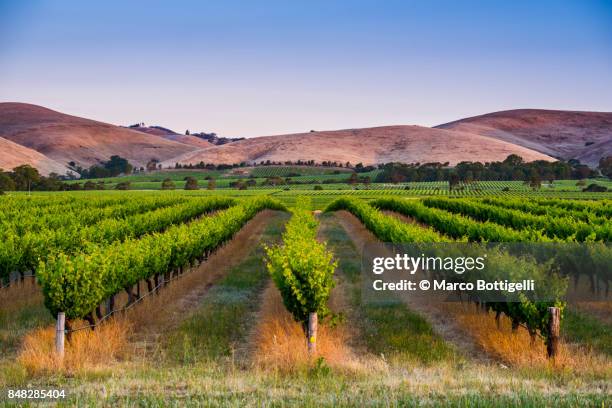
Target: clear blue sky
{"points": [[250, 68]]}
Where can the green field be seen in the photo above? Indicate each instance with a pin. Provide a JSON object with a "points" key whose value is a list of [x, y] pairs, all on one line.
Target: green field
{"points": [[325, 184], [218, 331]]}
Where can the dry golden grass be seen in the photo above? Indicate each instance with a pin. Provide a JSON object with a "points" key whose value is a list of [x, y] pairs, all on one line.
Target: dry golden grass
{"points": [[517, 348], [87, 349], [280, 344], [20, 295]]}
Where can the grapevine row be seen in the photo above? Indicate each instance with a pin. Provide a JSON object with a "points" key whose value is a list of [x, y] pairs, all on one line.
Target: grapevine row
{"points": [[457, 226], [570, 257], [21, 253], [303, 271], [77, 284], [554, 227], [532, 313], [552, 211], [386, 228]]}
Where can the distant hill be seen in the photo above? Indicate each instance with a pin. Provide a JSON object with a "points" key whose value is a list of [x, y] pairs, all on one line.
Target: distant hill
{"points": [[409, 144], [13, 155], [585, 136], [530, 133], [66, 138]]}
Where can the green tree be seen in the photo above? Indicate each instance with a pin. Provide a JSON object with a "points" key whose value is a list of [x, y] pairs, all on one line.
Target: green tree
{"points": [[6, 182], [117, 165], [168, 184], [605, 166], [191, 184], [25, 176], [535, 181], [212, 184], [514, 160], [453, 181]]}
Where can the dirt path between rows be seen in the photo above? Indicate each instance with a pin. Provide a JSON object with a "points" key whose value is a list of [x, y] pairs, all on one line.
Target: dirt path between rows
{"points": [[404, 218], [175, 303], [442, 323]]}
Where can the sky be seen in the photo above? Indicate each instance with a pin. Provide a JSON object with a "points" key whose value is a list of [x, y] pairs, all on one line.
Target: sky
{"points": [[253, 68]]}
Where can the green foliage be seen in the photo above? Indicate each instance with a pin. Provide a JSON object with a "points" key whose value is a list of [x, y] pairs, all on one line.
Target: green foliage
{"points": [[529, 311], [76, 284], [191, 183], [168, 184], [386, 228], [552, 226], [6, 182], [302, 268], [31, 237], [457, 226], [25, 176]]}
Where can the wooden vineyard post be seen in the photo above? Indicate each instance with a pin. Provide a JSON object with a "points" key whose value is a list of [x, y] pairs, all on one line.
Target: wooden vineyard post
{"points": [[552, 344], [59, 334], [313, 323]]}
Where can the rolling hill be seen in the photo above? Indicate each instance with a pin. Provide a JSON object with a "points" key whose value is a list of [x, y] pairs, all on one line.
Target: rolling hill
{"points": [[409, 144], [66, 138], [586, 136], [49, 140], [14, 155]]}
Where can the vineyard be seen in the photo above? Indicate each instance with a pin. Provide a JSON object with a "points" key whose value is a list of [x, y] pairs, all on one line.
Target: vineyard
{"points": [[196, 289]]}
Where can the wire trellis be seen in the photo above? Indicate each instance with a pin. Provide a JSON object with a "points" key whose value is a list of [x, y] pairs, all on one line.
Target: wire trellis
{"points": [[124, 309]]}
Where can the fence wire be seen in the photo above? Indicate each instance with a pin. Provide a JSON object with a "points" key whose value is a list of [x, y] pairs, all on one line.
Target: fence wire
{"points": [[129, 306]]}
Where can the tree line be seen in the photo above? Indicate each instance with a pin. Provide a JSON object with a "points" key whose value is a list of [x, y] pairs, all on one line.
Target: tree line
{"points": [[512, 168]]}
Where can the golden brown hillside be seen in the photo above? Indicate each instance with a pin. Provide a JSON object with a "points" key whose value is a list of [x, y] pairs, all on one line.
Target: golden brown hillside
{"points": [[586, 136], [13, 155], [409, 144], [66, 138]]}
